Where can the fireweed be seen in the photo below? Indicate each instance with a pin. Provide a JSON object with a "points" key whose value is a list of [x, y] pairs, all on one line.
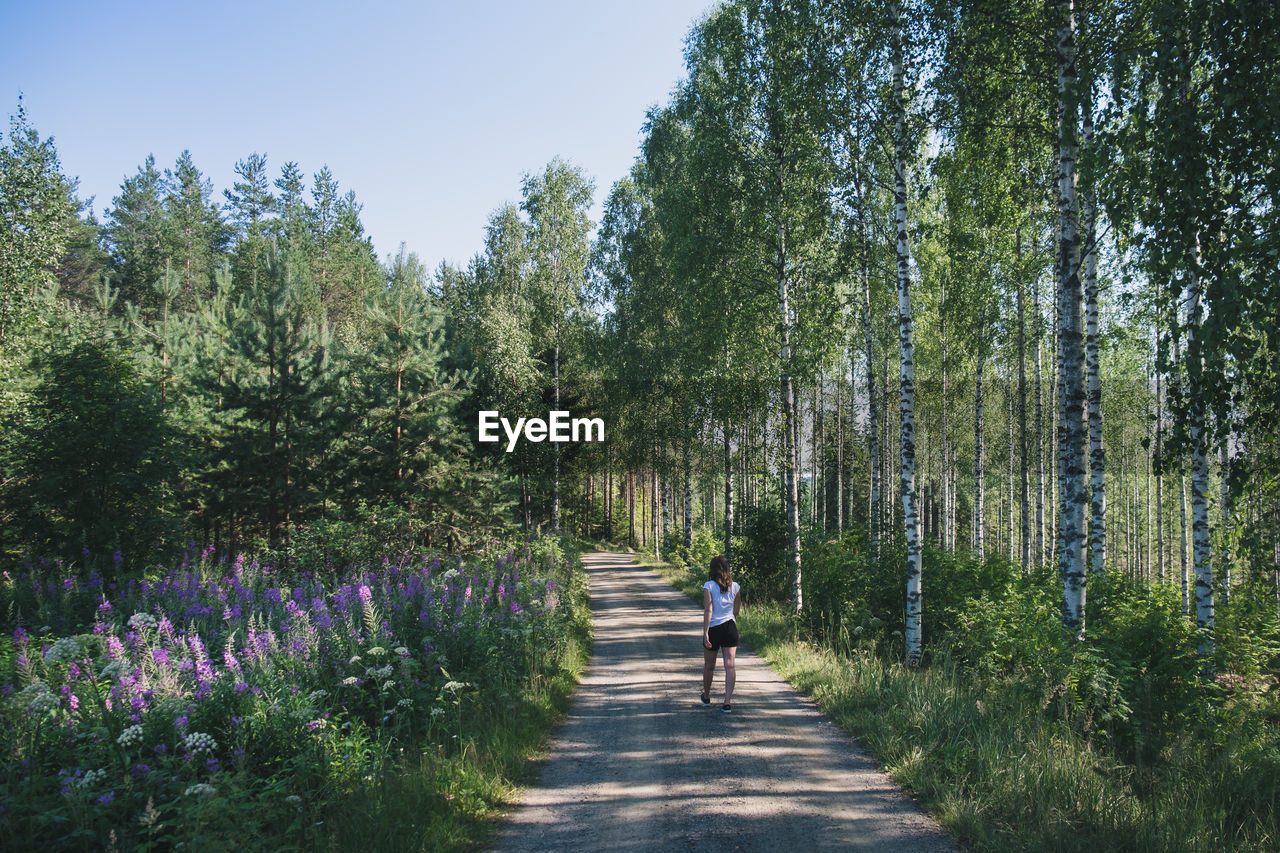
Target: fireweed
{"points": [[130, 708]]}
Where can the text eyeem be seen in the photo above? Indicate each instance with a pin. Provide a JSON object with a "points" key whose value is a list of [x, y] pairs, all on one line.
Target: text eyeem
{"points": [[558, 427]]}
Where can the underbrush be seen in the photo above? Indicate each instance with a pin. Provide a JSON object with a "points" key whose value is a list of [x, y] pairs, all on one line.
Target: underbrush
{"points": [[1016, 739], [229, 704]]}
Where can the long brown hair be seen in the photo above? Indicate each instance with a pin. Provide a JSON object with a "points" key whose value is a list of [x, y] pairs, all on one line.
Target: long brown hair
{"points": [[720, 572]]}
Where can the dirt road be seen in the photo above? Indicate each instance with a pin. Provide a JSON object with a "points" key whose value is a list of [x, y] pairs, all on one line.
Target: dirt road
{"points": [[642, 764]]}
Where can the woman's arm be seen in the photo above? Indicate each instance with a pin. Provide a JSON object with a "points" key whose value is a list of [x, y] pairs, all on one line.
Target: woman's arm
{"points": [[706, 617], [737, 603]]}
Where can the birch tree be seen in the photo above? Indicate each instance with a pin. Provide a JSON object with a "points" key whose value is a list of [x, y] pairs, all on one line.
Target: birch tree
{"points": [[1071, 391], [557, 201], [901, 156]]}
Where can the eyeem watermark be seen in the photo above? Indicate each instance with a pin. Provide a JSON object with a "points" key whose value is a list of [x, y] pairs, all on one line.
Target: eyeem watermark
{"points": [[559, 427]]}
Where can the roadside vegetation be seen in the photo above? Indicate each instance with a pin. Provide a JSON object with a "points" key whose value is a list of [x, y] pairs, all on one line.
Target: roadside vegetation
{"points": [[232, 703], [1011, 737]]}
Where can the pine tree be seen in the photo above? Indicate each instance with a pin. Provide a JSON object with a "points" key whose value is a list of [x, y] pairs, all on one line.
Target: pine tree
{"points": [[195, 237], [412, 448], [273, 402], [135, 232], [91, 460], [250, 206]]}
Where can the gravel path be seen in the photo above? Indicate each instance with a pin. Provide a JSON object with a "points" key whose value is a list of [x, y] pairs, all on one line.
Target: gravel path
{"points": [[641, 764]]}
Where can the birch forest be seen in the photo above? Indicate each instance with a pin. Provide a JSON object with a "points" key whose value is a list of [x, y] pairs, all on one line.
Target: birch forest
{"points": [[954, 324]]}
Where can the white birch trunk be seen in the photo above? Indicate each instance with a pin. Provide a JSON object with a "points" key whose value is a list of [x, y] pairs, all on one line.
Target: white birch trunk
{"points": [[664, 487], [840, 447], [1224, 514], [1097, 455], [1024, 504], [1182, 541], [790, 449], [910, 515], [1201, 550], [728, 495], [1071, 386], [688, 496], [1039, 425], [979, 458], [555, 482], [873, 427], [1012, 542], [1160, 536]]}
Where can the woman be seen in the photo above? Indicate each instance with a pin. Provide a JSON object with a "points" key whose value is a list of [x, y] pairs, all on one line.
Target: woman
{"points": [[720, 605]]}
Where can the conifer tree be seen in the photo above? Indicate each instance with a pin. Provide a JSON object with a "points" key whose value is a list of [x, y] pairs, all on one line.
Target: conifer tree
{"points": [[250, 206], [273, 401], [195, 237], [135, 232]]}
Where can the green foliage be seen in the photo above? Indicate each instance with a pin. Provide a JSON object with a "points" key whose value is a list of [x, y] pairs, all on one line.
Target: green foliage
{"points": [[1000, 759], [760, 553], [273, 387], [375, 729], [92, 455], [1010, 732], [698, 556], [37, 220]]}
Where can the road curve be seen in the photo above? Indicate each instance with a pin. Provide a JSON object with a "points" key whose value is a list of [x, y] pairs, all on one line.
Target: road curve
{"points": [[640, 764]]}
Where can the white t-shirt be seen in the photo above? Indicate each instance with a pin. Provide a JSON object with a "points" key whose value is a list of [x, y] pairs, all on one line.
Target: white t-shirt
{"points": [[721, 602]]}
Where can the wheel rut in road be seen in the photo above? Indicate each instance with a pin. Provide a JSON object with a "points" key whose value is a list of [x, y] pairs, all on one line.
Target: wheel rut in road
{"points": [[640, 764]]}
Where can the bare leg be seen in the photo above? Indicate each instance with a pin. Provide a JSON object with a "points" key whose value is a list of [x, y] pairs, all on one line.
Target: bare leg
{"points": [[708, 669], [730, 672]]}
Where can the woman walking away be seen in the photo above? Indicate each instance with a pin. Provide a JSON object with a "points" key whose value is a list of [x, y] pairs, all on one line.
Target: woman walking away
{"points": [[720, 606]]}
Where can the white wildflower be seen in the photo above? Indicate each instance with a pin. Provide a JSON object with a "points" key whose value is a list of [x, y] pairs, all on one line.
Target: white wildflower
{"points": [[200, 789], [92, 778], [350, 680], [387, 685], [198, 742], [294, 800], [130, 736], [405, 703], [355, 659], [379, 671], [38, 698], [402, 651], [316, 696], [377, 651], [138, 621], [63, 650], [43, 703]]}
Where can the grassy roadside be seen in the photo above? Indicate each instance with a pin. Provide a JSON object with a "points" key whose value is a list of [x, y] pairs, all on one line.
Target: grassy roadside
{"points": [[452, 800], [991, 767]]}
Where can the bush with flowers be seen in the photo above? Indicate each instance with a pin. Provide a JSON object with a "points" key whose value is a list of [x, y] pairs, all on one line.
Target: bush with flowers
{"points": [[228, 702]]}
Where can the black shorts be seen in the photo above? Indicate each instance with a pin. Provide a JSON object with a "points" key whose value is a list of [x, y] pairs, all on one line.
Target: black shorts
{"points": [[724, 635]]}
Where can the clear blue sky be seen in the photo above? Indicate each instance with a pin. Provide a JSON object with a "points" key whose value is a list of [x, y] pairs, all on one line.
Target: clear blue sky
{"points": [[430, 111]]}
